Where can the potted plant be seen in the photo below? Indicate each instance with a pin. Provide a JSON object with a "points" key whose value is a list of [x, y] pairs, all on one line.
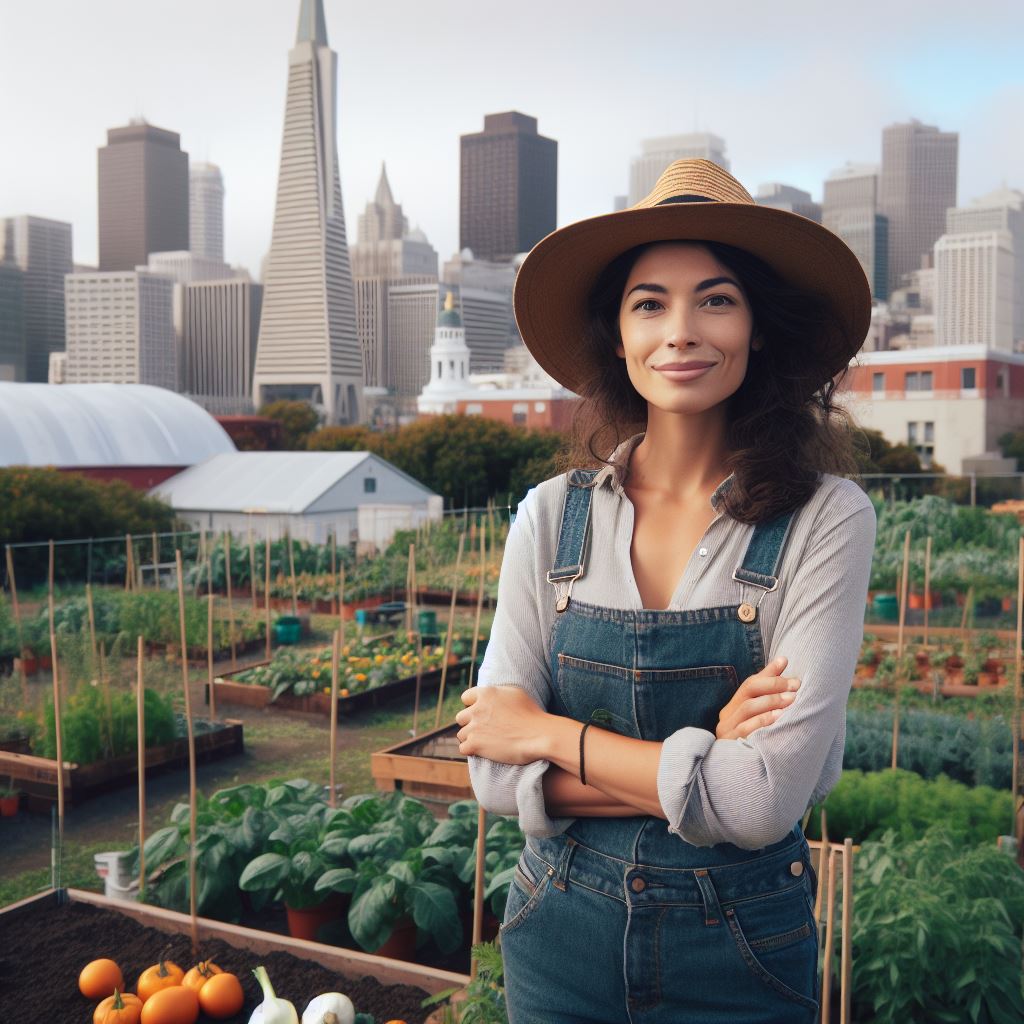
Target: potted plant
{"points": [[973, 664], [9, 801]]}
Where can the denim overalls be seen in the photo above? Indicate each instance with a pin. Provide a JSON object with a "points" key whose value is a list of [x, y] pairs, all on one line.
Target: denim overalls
{"points": [[618, 920]]}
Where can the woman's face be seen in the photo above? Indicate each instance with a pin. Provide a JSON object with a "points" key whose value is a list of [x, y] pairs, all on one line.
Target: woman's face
{"points": [[686, 328]]}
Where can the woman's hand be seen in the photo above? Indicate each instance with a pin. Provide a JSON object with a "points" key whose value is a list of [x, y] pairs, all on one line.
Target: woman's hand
{"points": [[501, 723], [757, 702]]}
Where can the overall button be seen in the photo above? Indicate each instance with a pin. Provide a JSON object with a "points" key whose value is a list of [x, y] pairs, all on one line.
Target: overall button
{"points": [[747, 612], [796, 868], [638, 885]]}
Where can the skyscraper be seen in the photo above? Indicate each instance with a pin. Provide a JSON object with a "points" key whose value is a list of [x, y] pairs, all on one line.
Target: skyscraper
{"points": [[850, 209], [308, 347], [657, 154], [12, 322], [509, 187], [206, 211], [789, 198], [917, 186], [42, 249], [143, 195]]}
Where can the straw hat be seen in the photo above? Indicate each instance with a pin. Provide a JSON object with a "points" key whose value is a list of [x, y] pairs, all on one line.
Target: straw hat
{"points": [[692, 200]]}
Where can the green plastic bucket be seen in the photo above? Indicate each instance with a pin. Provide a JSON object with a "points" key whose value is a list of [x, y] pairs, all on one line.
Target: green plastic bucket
{"points": [[287, 630], [426, 622], [886, 607]]}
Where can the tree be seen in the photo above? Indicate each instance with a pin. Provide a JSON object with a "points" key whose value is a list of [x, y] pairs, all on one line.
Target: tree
{"points": [[298, 420], [1012, 446], [343, 439]]}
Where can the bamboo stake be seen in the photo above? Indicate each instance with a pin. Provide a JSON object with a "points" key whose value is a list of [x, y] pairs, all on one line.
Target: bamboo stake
{"points": [[826, 969], [335, 658], [408, 587], [341, 599], [252, 567], [334, 566], [927, 584], [266, 589], [291, 570], [448, 634], [210, 688], [968, 601], [479, 605], [17, 623], [822, 869], [140, 705], [419, 660], [1015, 769], [231, 610], [92, 622], [129, 570], [478, 883], [192, 895], [904, 583], [846, 959], [156, 563], [57, 728]]}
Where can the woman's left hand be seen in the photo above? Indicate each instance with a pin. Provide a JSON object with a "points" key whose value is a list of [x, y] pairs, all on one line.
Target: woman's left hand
{"points": [[501, 723]]}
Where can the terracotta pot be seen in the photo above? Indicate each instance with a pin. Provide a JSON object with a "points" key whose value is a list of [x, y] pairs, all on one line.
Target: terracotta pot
{"points": [[401, 944], [9, 806], [867, 671], [923, 661], [27, 663], [954, 663], [305, 922], [917, 600]]}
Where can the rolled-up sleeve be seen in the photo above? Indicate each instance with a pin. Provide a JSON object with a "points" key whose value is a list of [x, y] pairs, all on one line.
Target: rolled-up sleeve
{"points": [[751, 792], [516, 656]]}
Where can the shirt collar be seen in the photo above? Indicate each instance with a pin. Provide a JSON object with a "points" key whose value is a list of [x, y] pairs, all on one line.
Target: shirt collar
{"points": [[614, 474]]}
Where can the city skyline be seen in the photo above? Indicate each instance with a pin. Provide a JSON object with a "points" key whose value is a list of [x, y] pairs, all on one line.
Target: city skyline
{"points": [[789, 107]]}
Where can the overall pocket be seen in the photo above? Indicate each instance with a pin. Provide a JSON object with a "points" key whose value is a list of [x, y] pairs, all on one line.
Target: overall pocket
{"points": [[530, 883], [598, 692], [777, 938]]}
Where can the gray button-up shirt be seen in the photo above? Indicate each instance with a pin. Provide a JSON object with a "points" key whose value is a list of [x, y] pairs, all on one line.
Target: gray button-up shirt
{"points": [[746, 792]]}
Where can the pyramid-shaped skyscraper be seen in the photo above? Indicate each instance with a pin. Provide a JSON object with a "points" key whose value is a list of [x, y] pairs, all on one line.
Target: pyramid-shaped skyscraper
{"points": [[308, 347]]}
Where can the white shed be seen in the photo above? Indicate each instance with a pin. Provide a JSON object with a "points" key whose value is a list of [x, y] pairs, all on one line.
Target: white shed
{"points": [[358, 496]]}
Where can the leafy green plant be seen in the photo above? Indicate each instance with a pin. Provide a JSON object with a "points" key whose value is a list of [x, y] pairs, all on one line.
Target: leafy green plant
{"points": [[936, 932], [865, 805], [483, 1000]]}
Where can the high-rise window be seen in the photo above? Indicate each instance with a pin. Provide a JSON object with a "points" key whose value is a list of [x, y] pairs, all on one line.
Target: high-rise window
{"points": [[878, 382], [918, 380], [911, 433], [968, 378]]}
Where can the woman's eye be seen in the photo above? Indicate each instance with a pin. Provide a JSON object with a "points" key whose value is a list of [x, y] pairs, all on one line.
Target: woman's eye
{"points": [[718, 301], [647, 306]]}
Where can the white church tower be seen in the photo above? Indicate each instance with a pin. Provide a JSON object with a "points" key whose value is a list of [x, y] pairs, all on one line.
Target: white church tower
{"points": [[449, 365], [308, 347]]}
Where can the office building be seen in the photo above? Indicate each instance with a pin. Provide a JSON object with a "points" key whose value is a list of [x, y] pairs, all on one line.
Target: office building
{"points": [[143, 195], [509, 187], [41, 248], [789, 198], [916, 187], [483, 289], [308, 346], [979, 274], [411, 321], [657, 154], [850, 210], [120, 329], [185, 267], [219, 328], [206, 211], [12, 322]]}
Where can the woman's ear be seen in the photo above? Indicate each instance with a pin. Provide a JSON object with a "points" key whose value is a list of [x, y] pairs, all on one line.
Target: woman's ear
{"points": [[620, 351]]}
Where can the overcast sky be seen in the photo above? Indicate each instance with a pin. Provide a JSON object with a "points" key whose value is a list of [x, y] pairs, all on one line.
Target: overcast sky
{"points": [[795, 87]]}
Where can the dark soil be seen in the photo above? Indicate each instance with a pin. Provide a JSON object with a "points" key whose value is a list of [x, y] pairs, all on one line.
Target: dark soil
{"points": [[43, 949]]}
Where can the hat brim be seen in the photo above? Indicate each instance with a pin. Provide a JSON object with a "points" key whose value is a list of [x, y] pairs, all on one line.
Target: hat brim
{"points": [[554, 283]]}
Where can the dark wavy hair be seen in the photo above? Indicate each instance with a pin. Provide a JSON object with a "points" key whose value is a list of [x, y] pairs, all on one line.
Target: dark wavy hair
{"points": [[784, 428]]}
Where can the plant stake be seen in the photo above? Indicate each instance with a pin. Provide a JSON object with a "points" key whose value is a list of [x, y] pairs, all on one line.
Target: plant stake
{"points": [[334, 566], [140, 703], [92, 621], [252, 567], [266, 589], [830, 908], [904, 581], [478, 884], [335, 657], [341, 599], [927, 584], [846, 960], [448, 635], [156, 563], [191, 763], [291, 570], [56, 727], [231, 611], [17, 622], [479, 605]]}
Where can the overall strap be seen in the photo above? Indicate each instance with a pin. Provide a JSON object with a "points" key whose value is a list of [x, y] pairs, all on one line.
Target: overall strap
{"points": [[762, 557], [572, 535]]}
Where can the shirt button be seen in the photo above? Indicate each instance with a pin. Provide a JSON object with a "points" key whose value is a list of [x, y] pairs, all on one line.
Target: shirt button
{"points": [[703, 552], [638, 885]]}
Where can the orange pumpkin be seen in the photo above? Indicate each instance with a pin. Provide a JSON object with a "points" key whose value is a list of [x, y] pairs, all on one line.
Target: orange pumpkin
{"points": [[99, 978], [199, 975], [173, 1005], [158, 977], [120, 1008], [222, 996]]}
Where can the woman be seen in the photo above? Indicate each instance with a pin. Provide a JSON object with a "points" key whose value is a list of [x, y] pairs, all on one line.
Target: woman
{"points": [[632, 708]]}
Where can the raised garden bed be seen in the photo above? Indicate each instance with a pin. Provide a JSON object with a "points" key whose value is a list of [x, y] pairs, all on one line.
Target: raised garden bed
{"points": [[429, 767], [36, 777], [46, 942], [254, 695]]}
